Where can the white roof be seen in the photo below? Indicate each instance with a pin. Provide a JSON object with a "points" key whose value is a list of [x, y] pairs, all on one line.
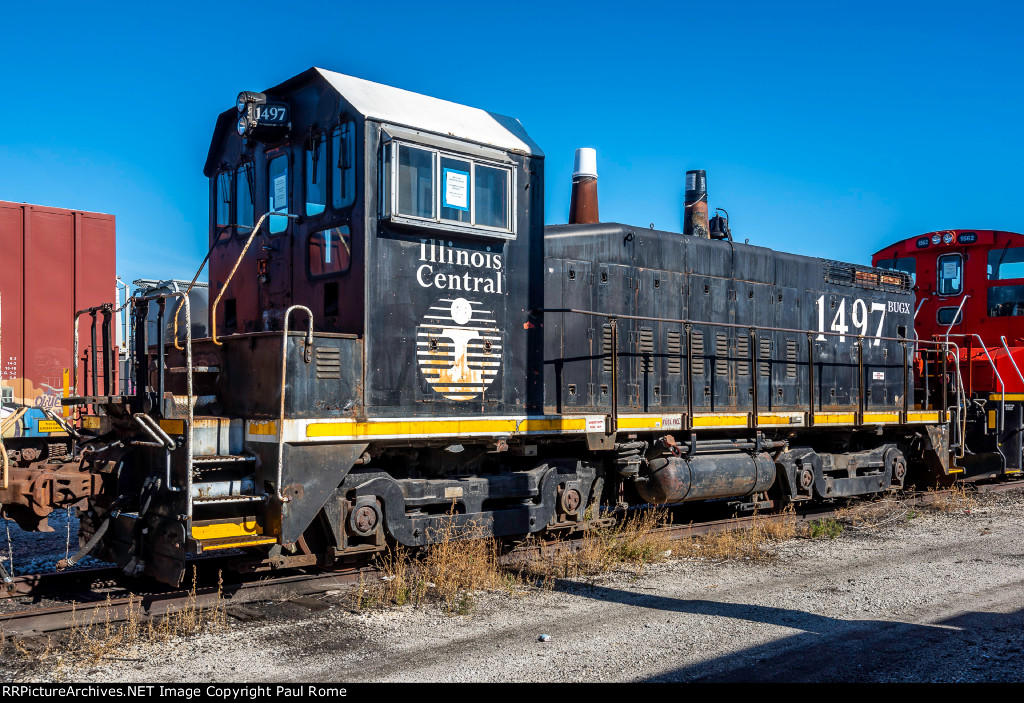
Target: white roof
{"points": [[405, 108]]}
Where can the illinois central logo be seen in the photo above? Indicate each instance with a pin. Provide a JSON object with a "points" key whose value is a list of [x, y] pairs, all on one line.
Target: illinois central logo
{"points": [[458, 347]]}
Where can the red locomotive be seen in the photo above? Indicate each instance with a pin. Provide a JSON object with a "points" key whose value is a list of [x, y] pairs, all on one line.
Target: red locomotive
{"points": [[970, 290]]}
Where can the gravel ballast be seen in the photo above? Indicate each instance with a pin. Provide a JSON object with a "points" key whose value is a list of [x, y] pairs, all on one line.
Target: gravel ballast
{"points": [[932, 596]]}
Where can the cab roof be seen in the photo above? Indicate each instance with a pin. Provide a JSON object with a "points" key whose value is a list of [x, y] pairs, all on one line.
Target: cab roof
{"points": [[404, 108]]}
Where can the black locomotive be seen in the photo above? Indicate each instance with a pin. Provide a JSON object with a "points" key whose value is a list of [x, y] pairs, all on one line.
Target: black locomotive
{"points": [[399, 345]]}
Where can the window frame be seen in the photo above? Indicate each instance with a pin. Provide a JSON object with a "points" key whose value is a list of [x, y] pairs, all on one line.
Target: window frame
{"points": [[939, 278], [243, 232], [336, 172], [326, 185], [334, 274], [270, 157], [958, 316], [223, 233], [1002, 251], [389, 189], [988, 299]]}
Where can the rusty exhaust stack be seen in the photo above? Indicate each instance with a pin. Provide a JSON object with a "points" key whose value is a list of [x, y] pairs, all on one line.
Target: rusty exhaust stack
{"points": [[695, 219], [583, 203]]}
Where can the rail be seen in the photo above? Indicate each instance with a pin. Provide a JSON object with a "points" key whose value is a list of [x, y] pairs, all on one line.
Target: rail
{"points": [[284, 374], [753, 330], [252, 235]]}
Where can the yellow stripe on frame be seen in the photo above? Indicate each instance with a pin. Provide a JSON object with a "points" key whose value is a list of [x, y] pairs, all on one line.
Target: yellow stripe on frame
{"points": [[443, 427], [1008, 396], [730, 420], [833, 418], [878, 418], [930, 416]]}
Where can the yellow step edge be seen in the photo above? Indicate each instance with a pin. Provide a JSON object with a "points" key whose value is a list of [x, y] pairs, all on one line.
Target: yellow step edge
{"points": [[233, 545], [222, 530]]}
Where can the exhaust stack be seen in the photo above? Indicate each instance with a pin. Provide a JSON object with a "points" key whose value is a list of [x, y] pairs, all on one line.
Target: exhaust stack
{"points": [[695, 219], [583, 202]]}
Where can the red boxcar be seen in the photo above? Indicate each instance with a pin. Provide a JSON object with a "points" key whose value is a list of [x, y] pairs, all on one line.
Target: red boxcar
{"points": [[53, 262]]}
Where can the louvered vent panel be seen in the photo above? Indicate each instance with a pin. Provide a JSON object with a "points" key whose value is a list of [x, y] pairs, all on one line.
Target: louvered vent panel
{"points": [[765, 369], [675, 362], [646, 350], [328, 363], [790, 358], [743, 355], [697, 353], [721, 354]]}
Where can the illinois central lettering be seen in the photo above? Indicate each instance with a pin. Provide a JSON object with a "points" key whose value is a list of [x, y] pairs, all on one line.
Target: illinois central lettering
{"points": [[484, 274]]}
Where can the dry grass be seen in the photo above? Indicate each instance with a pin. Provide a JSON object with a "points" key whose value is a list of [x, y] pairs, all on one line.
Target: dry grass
{"points": [[958, 499], [754, 542], [448, 573], [91, 641], [633, 543]]}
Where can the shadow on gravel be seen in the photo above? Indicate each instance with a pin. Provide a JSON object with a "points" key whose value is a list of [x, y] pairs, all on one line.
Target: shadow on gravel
{"points": [[974, 646]]}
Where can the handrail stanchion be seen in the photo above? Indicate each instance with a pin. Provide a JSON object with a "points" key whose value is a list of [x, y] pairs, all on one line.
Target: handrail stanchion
{"points": [[278, 493], [810, 379], [753, 371], [615, 376], [689, 373]]}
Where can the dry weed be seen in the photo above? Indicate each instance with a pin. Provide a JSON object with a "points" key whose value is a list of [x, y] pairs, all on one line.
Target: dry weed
{"points": [[103, 636], [459, 562], [754, 542], [960, 498]]}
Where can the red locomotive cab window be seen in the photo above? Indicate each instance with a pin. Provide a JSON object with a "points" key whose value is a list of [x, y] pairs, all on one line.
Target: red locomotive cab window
{"points": [[330, 251], [950, 270], [1006, 262]]}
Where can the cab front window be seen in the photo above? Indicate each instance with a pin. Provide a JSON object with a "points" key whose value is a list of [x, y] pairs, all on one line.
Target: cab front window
{"points": [[950, 270], [277, 193]]}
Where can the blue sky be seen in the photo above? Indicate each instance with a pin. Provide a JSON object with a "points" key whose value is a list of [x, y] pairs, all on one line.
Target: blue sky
{"points": [[827, 128]]}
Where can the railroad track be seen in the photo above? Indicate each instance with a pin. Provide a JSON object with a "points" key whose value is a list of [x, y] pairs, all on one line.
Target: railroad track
{"points": [[88, 599]]}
